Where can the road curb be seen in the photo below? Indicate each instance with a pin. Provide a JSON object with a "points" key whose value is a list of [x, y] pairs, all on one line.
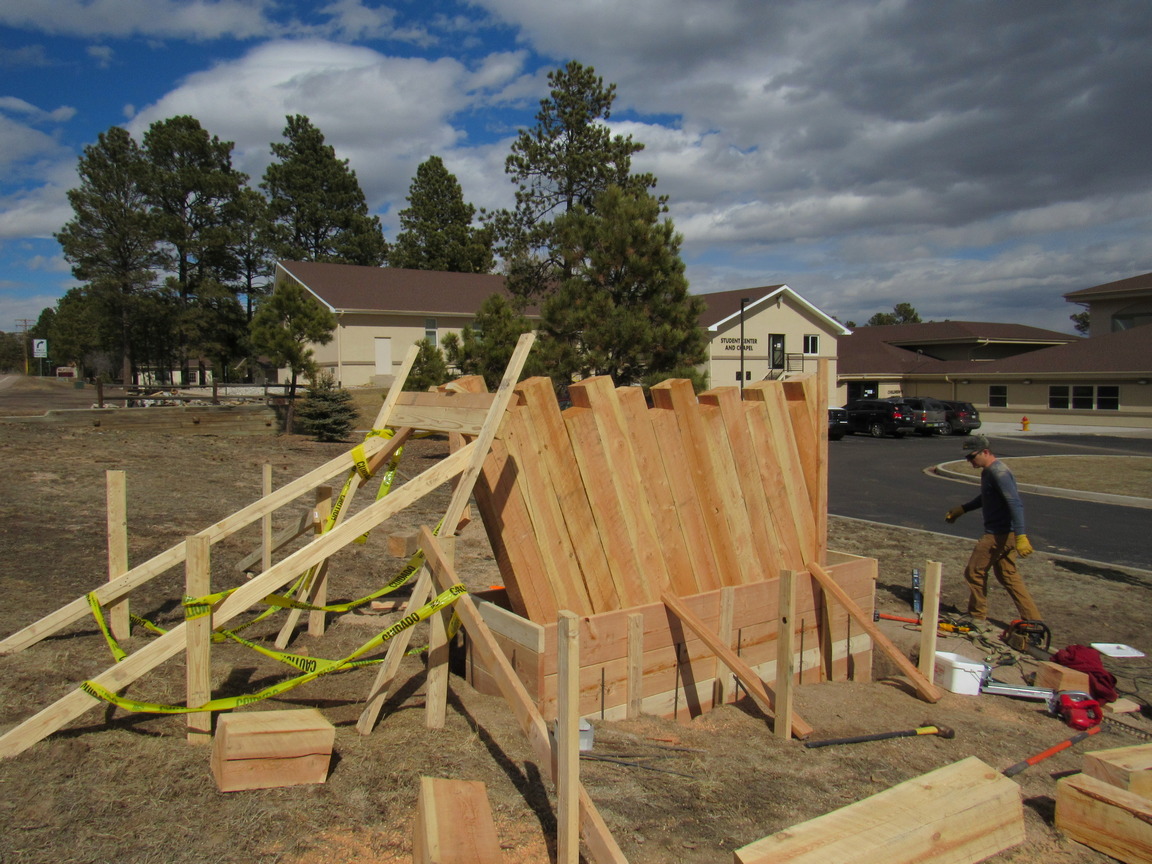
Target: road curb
{"points": [[943, 470]]}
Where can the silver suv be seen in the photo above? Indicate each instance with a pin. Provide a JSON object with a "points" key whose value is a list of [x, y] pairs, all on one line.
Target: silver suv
{"points": [[928, 415]]}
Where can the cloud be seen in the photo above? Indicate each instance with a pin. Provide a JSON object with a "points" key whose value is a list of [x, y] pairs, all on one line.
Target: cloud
{"points": [[187, 19]]}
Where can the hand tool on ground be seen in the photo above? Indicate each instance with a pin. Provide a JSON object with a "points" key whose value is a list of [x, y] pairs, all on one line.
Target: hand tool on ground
{"points": [[1013, 770], [942, 731], [946, 626], [917, 595]]}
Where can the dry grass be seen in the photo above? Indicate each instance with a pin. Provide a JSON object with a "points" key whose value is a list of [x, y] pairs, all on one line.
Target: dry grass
{"points": [[1116, 475]]}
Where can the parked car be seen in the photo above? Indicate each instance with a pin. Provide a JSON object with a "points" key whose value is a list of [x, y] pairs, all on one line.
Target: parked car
{"points": [[962, 417], [837, 424], [879, 417], [929, 415]]}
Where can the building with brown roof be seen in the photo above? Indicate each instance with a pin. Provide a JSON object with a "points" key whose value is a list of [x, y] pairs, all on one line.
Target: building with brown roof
{"points": [[1119, 305]]}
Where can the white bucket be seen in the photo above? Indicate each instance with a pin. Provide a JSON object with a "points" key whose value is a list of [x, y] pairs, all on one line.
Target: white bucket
{"points": [[958, 674]]}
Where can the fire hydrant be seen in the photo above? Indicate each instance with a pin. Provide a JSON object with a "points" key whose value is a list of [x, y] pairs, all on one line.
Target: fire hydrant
{"points": [[1024, 424]]}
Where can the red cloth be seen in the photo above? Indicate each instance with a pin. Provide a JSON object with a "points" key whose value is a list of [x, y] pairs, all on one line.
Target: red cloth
{"points": [[1087, 659]]}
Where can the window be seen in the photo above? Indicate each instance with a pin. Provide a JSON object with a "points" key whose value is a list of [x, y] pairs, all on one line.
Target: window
{"points": [[812, 344], [997, 395], [1084, 397]]}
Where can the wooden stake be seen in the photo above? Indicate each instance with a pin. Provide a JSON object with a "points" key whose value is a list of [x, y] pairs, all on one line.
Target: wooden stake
{"points": [[930, 613], [927, 690], [318, 593], [722, 689], [118, 619], [436, 679], [756, 688], [635, 665], [786, 655], [568, 739], [266, 541], [198, 651]]}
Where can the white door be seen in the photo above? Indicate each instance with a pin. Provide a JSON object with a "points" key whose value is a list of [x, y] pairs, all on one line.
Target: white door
{"points": [[383, 355]]}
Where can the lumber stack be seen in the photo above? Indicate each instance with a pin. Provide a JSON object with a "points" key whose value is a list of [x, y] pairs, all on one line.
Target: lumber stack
{"points": [[1109, 807], [605, 505]]}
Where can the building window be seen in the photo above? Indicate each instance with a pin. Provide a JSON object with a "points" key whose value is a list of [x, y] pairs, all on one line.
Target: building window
{"points": [[1084, 397], [812, 344], [997, 395], [430, 330]]}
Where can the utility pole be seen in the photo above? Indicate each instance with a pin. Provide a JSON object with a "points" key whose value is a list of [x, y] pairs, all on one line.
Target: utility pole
{"points": [[22, 325], [743, 302]]}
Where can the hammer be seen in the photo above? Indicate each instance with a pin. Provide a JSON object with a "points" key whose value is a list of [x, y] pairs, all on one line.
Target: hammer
{"points": [[942, 731]]}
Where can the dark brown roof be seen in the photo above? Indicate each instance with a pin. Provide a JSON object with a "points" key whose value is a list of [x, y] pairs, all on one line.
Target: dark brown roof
{"points": [[1126, 351], [351, 288], [1133, 285], [959, 332]]}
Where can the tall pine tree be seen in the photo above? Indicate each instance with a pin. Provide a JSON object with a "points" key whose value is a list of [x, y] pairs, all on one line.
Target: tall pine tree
{"points": [[436, 230], [317, 210]]}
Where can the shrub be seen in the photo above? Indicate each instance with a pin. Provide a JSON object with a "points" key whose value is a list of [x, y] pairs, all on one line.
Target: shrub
{"points": [[328, 412]]}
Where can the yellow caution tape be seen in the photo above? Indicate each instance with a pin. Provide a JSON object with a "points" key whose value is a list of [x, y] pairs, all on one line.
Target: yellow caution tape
{"points": [[318, 667], [98, 613]]}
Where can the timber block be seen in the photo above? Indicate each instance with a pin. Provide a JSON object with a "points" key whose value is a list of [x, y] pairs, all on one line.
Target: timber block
{"points": [[454, 824], [1124, 767], [959, 814], [1109, 819], [1053, 676], [403, 544], [265, 749]]}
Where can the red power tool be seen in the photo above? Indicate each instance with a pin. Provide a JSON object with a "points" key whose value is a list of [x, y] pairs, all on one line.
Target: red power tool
{"points": [[1076, 708]]}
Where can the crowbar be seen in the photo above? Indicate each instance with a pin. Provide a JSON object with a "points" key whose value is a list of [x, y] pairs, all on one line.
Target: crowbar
{"points": [[942, 731]]}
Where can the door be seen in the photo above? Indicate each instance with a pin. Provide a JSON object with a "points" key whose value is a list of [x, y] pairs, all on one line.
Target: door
{"points": [[776, 350], [383, 355]]}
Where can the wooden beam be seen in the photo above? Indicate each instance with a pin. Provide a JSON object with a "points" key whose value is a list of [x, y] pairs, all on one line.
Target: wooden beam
{"points": [[454, 824], [118, 617], [959, 814], [436, 676], [568, 740], [593, 830], [266, 538], [756, 688], [198, 651], [722, 691], [635, 681], [1106, 818], [317, 593], [1124, 767], [927, 690], [786, 655], [930, 612]]}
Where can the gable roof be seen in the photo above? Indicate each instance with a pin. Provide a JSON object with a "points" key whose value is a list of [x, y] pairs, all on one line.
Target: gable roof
{"points": [[352, 288], [723, 307], [961, 333], [1132, 286]]}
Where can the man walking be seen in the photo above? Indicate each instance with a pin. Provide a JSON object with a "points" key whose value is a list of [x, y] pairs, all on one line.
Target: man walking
{"points": [[1003, 537]]}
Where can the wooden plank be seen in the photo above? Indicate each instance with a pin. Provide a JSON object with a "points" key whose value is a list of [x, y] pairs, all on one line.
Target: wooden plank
{"points": [[593, 830], [785, 510], [677, 395], [454, 824], [820, 496], [279, 540], [927, 690], [959, 814], [1124, 767], [266, 749], [625, 588], [722, 692], [198, 651], [317, 594], [1111, 820], [436, 676], [785, 656], [554, 451], [267, 541], [598, 394], [752, 683], [117, 495], [930, 611], [635, 664], [800, 397], [442, 411], [766, 543], [689, 507], [1053, 676], [568, 741]]}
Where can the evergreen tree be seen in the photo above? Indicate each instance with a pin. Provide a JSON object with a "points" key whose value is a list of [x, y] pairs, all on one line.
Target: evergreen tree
{"points": [[486, 347], [283, 328], [436, 227], [1081, 321], [328, 412], [111, 240], [902, 313], [249, 212], [317, 210], [623, 309], [429, 369]]}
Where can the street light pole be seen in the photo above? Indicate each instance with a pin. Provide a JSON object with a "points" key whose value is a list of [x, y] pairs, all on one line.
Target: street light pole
{"points": [[743, 303]]}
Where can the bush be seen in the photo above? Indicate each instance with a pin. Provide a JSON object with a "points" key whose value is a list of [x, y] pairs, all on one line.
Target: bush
{"points": [[328, 412]]}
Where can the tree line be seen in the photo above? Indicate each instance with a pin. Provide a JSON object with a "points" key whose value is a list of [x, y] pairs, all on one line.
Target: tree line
{"points": [[174, 248]]}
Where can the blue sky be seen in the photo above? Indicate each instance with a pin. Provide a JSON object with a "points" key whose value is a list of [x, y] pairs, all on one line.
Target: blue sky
{"points": [[977, 159]]}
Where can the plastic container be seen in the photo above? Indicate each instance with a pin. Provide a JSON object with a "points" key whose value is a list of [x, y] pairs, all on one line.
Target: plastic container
{"points": [[959, 674]]}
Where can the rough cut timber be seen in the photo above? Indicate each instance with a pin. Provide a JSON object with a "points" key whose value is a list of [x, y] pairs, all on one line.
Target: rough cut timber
{"points": [[959, 814], [454, 824], [1124, 767], [265, 749], [1112, 820], [1053, 676]]}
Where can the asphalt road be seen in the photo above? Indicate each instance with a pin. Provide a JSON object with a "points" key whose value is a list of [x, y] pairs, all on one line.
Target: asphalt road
{"points": [[883, 480]]}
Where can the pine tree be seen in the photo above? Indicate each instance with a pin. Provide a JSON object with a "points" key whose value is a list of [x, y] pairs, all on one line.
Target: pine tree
{"points": [[328, 412], [111, 240], [436, 228], [429, 368], [624, 309], [317, 210], [486, 347]]}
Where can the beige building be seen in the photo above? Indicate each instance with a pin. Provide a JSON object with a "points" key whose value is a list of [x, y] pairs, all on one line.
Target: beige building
{"points": [[768, 332], [1115, 306]]}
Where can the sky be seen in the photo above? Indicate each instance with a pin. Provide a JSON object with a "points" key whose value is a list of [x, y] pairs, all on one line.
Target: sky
{"points": [[976, 158]]}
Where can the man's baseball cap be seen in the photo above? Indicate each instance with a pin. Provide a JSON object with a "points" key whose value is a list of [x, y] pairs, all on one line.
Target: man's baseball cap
{"points": [[975, 444]]}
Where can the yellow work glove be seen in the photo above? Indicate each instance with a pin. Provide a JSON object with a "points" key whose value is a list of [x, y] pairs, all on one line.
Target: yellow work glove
{"points": [[1023, 547], [953, 514]]}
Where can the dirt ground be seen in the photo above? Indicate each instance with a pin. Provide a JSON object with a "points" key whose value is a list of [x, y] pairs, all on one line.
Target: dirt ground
{"points": [[115, 786]]}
